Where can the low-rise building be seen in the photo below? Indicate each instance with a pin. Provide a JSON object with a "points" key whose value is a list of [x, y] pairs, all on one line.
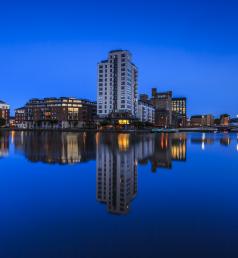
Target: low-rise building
{"points": [[20, 120], [224, 120], [233, 122], [4, 113], [146, 111], [201, 120], [57, 113], [12, 122]]}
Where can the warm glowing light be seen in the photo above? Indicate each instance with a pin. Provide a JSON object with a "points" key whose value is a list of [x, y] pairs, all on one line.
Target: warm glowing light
{"points": [[12, 137], [123, 142], [162, 141], [166, 141], [124, 122], [97, 138], [179, 151]]}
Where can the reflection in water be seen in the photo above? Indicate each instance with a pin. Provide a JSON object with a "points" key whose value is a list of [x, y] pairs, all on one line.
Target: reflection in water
{"points": [[4, 144], [52, 147], [204, 139], [117, 164], [168, 148], [208, 139], [116, 172], [123, 142], [237, 142], [117, 156], [225, 140]]}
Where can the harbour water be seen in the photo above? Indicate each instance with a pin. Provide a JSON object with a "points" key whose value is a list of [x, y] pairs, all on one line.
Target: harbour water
{"points": [[118, 195]]}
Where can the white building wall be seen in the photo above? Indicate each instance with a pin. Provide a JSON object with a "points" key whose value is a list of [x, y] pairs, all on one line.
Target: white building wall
{"points": [[117, 84], [146, 112]]}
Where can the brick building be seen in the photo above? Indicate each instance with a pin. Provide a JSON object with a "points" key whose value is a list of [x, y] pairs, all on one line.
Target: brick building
{"points": [[57, 113], [4, 112]]}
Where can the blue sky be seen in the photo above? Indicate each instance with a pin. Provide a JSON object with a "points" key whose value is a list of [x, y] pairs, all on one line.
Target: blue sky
{"points": [[51, 48]]}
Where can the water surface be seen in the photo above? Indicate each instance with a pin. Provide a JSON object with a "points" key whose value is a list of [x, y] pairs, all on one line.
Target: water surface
{"points": [[118, 195]]}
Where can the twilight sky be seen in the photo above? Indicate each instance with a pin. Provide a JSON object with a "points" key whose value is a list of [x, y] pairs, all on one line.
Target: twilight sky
{"points": [[51, 48]]}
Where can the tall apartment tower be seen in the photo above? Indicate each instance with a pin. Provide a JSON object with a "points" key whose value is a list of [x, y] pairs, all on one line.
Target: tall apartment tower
{"points": [[117, 84]]}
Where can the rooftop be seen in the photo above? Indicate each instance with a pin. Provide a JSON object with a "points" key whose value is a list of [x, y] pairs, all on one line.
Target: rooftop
{"points": [[54, 99], [117, 50], [179, 98]]}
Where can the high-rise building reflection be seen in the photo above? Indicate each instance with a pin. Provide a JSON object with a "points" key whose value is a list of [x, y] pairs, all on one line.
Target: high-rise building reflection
{"points": [[116, 172], [118, 156]]}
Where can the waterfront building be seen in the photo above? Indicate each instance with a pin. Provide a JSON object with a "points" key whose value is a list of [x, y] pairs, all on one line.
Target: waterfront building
{"points": [[20, 120], [4, 113], [162, 101], [224, 119], [179, 109], [201, 120], [117, 85], [233, 122], [57, 113], [12, 122], [146, 111], [209, 120]]}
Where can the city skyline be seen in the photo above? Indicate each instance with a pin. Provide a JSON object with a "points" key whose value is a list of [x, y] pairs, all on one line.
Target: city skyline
{"points": [[118, 128], [45, 51]]}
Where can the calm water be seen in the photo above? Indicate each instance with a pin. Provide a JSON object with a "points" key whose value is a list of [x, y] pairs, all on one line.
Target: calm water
{"points": [[105, 195]]}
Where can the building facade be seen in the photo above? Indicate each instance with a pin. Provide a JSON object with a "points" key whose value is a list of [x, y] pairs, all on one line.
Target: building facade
{"points": [[162, 101], [224, 120], [117, 84], [57, 113], [233, 122], [145, 111], [4, 112], [179, 110], [201, 120], [20, 120]]}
